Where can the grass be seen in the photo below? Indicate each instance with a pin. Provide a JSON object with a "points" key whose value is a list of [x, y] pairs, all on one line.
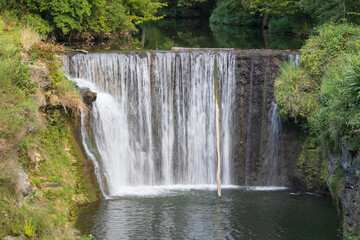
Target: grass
{"points": [[38, 140]]}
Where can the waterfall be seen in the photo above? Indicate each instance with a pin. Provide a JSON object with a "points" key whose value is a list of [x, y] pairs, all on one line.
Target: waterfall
{"points": [[154, 117], [274, 157], [294, 58]]}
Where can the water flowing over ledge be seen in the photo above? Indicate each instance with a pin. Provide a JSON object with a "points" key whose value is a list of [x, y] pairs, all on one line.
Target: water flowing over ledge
{"points": [[153, 120], [174, 190]]}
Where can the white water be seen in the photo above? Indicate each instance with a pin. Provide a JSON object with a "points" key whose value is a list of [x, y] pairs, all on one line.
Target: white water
{"points": [[154, 117], [178, 189]]}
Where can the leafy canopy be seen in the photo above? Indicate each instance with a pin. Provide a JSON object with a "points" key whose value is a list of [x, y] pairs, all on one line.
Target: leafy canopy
{"points": [[85, 15]]}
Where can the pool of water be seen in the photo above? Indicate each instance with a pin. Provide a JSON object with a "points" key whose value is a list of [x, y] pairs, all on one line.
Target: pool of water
{"points": [[197, 213], [167, 33]]}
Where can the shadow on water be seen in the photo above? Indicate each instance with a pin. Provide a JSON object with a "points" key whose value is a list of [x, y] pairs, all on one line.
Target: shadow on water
{"points": [[199, 214], [167, 33]]}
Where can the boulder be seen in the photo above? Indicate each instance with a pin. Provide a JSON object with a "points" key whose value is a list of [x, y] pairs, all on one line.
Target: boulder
{"points": [[88, 96], [23, 184]]}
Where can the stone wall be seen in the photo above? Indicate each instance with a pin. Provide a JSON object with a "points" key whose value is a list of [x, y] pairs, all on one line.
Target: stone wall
{"points": [[256, 72]]}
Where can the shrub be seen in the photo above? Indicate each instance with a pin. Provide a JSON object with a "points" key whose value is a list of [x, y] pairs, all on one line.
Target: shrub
{"points": [[40, 25], [325, 89]]}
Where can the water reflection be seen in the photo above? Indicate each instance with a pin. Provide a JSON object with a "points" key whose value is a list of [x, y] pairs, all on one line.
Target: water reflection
{"points": [[165, 34], [199, 214]]}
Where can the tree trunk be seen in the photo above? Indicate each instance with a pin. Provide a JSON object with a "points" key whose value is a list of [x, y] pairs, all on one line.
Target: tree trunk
{"points": [[266, 15], [266, 39], [143, 36]]}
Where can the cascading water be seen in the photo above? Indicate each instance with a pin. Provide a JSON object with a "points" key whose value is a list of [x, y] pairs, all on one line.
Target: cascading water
{"points": [[274, 157], [294, 58], [154, 117]]}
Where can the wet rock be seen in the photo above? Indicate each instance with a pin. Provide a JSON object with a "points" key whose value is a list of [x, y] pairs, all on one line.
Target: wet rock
{"points": [[256, 71], [88, 96]]}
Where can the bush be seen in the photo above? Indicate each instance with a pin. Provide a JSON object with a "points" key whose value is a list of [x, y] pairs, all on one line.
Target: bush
{"points": [[40, 25], [325, 89]]}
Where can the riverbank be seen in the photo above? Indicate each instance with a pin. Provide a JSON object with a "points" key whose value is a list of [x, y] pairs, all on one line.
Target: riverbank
{"points": [[44, 174]]}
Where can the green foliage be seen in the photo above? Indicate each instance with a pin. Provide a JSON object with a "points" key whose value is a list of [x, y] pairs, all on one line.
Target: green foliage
{"points": [[290, 16], [248, 12], [295, 92], [231, 12], [323, 89], [40, 25], [29, 229], [12, 70], [331, 10], [298, 23], [16, 108], [64, 15], [101, 16], [36, 182], [311, 166], [340, 95], [273, 7], [87, 237]]}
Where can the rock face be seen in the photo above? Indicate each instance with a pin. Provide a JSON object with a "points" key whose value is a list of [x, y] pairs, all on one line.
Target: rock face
{"points": [[88, 96], [45, 96], [255, 75], [344, 183], [310, 173]]}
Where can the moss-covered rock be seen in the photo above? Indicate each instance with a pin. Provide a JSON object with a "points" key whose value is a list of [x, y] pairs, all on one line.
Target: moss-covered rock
{"points": [[311, 168]]}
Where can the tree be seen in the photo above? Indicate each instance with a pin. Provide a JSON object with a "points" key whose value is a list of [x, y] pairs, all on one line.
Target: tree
{"points": [[271, 7], [103, 16], [332, 10]]}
